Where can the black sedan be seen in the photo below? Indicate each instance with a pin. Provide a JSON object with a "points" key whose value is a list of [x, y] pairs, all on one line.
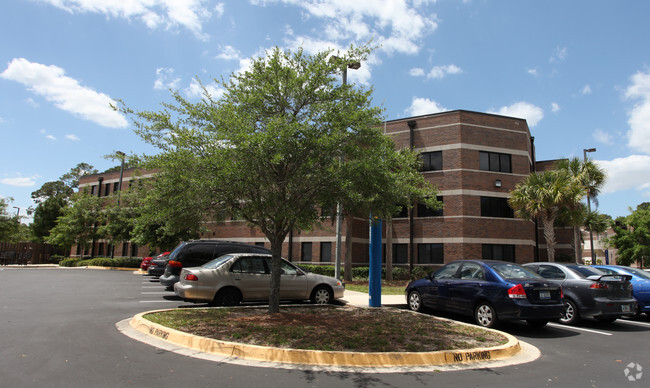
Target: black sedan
{"points": [[491, 291], [588, 292], [157, 265]]}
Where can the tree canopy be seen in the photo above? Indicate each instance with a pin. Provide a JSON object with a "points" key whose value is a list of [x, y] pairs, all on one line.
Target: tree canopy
{"points": [[285, 140], [632, 238]]}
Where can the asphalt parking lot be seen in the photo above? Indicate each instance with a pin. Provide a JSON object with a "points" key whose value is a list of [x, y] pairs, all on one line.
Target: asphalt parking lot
{"points": [[57, 329]]}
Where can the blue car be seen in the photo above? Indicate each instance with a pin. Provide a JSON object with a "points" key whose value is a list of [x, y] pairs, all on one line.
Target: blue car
{"points": [[490, 291], [640, 284]]}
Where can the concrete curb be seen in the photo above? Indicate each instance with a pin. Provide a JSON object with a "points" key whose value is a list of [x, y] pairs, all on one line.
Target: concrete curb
{"points": [[326, 358]]}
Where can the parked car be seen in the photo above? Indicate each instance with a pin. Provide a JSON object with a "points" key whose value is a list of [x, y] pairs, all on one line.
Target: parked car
{"points": [[244, 277], [157, 265], [146, 262], [588, 292], [198, 252], [640, 284], [490, 291]]}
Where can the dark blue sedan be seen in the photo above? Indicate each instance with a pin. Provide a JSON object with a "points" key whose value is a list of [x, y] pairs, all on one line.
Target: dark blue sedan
{"points": [[490, 291], [640, 284]]}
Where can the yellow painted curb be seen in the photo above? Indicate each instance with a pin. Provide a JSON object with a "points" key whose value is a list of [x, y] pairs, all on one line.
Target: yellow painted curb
{"points": [[315, 357]]}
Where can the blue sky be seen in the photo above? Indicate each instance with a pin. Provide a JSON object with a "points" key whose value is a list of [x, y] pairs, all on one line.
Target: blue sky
{"points": [[577, 71]]}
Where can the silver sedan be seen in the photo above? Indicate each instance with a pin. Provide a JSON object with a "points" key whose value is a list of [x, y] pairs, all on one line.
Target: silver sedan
{"points": [[246, 277]]}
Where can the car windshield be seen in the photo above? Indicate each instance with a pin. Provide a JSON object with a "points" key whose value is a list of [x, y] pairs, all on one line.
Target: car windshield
{"points": [[216, 263], [638, 272], [585, 271], [514, 271]]}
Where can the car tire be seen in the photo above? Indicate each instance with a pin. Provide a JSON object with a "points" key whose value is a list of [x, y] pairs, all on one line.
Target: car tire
{"points": [[227, 297], [321, 295], [537, 322], [485, 316], [571, 314], [415, 301]]}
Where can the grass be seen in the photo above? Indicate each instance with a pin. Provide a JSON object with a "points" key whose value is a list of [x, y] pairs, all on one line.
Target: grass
{"points": [[394, 287], [329, 328]]}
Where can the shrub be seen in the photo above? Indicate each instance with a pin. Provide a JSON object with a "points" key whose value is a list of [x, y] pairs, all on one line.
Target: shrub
{"points": [[69, 262], [124, 262]]}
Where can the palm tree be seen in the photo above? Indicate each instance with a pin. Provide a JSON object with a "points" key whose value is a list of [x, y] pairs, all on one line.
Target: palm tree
{"points": [[591, 177], [545, 194]]}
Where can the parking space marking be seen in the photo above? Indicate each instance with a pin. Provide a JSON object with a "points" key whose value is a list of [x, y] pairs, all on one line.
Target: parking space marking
{"points": [[156, 293], [644, 324], [162, 301], [579, 329]]}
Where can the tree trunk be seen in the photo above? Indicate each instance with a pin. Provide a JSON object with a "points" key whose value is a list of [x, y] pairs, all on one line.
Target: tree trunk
{"points": [[347, 273], [389, 250], [549, 236], [577, 245], [276, 272]]}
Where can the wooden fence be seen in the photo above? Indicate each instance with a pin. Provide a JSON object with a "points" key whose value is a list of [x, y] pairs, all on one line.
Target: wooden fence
{"points": [[26, 253]]}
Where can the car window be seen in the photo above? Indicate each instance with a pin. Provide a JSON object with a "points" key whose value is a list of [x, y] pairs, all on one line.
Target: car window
{"points": [[288, 269], [608, 271], [216, 263], [447, 272], [197, 252], [584, 271], [550, 272], [472, 271], [254, 265], [514, 271], [638, 272]]}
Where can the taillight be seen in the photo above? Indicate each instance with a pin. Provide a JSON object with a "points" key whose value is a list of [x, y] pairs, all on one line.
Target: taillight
{"points": [[175, 264], [191, 277], [598, 286], [561, 293], [517, 292]]}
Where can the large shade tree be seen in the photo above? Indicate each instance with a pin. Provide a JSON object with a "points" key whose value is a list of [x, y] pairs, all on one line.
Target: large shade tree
{"points": [[632, 236], [285, 140], [545, 195]]}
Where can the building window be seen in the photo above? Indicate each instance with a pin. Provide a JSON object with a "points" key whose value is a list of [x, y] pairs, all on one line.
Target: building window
{"points": [[134, 250], [258, 243], [305, 251], [425, 211], [107, 189], [125, 249], [431, 161], [400, 253], [492, 161], [326, 252], [503, 252], [496, 207], [116, 186], [403, 212], [431, 254], [93, 190]]}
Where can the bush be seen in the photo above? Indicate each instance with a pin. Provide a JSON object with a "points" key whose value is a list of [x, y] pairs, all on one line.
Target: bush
{"points": [[361, 273], [69, 262], [124, 262]]}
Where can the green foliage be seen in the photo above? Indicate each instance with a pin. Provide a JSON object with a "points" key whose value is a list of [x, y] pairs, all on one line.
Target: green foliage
{"points": [[11, 230], [361, 273], [632, 238], [79, 222], [121, 262], [69, 262]]}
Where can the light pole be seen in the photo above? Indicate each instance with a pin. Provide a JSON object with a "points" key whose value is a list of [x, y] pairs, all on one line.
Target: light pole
{"points": [[591, 234], [119, 192], [339, 206], [17, 213]]}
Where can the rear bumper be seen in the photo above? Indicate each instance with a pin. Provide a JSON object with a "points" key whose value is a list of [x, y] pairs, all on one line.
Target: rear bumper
{"points": [[609, 308], [169, 280], [524, 310], [191, 292]]}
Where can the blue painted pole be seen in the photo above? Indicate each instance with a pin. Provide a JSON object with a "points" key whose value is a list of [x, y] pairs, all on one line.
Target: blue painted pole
{"points": [[374, 277]]}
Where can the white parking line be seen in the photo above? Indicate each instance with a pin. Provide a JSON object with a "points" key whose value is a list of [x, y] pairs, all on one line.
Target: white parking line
{"points": [[151, 287], [579, 329], [645, 324], [156, 293], [162, 301]]}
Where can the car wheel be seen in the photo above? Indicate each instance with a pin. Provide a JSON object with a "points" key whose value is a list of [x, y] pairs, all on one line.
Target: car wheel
{"points": [[415, 301], [321, 295], [227, 297], [485, 316], [571, 315], [537, 322]]}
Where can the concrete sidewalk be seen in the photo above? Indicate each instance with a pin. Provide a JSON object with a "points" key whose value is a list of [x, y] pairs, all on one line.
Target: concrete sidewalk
{"points": [[361, 299]]}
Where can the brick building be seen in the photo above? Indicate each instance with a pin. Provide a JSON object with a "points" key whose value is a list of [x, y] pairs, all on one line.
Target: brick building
{"points": [[475, 160]]}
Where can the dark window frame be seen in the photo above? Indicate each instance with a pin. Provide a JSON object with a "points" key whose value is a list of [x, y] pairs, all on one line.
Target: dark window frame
{"points": [[326, 251], [503, 252], [431, 253], [424, 211], [496, 207], [431, 161], [495, 161]]}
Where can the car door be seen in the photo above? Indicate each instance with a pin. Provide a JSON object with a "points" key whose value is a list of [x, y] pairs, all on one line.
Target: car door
{"points": [[464, 289], [251, 275], [294, 284], [436, 294]]}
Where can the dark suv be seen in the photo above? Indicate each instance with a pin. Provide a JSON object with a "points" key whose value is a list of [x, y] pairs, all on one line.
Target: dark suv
{"points": [[198, 252]]}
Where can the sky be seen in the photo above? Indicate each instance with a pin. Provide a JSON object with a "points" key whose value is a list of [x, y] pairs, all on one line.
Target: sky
{"points": [[577, 71]]}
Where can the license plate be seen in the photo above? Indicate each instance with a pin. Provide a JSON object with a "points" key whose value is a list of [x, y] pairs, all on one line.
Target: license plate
{"points": [[544, 295], [626, 308]]}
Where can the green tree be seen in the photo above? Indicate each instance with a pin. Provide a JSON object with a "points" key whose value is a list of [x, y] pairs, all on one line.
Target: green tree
{"points": [[632, 236], [545, 195], [79, 223], [9, 224], [277, 147], [587, 174]]}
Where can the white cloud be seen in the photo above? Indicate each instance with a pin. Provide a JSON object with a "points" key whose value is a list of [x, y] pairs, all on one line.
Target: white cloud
{"points": [[603, 137], [219, 9], [533, 114], [441, 71], [51, 137], [153, 13], [195, 90], [586, 90], [72, 137], [422, 106], [394, 24], [555, 107], [632, 172], [64, 92], [639, 116], [229, 53], [19, 181], [559, 54], [416, 72], [532, 72], [165, 80]]}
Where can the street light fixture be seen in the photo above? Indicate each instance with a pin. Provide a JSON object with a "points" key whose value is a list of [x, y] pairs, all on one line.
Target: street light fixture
{"points": [[339, 206], [591, 234]]}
